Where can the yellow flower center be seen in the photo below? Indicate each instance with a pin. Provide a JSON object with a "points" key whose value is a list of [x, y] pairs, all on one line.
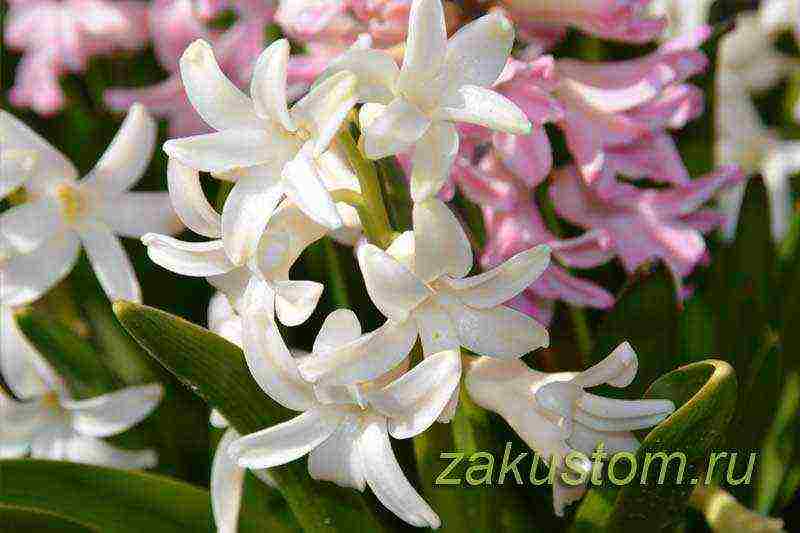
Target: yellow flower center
{"points": [[73, 203], [50, 400]]}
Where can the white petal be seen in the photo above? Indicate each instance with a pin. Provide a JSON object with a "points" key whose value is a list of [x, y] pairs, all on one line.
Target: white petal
{"points": [[337, 459], [478, 52], [303, 184], [340, 327], [618, 369], [296, 300], [325, 107], [426, 45], [432, 160], [270, 362], [288, 234], [393, 131], [133, 214], [440, 244], [375, 70], [365, 359], [215, 98], [484, 107], [246, 213], [115, 412], [188, 258], [227, 150], [26, 226], [16, 167], [503, 282], [22, 422], [128, 155], [227, 480], [392, 287], [217, 420], [268, 86], [51, 164], [111, 264], [17, 358], [499, 332], [94, 451], [436, 329], [189, 200], [24, 278], [288, 441], [386, 478], [233, 284], [415, 400], [223, 320]]}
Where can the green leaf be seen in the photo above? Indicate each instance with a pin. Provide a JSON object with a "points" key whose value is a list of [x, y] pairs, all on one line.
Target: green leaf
{"points": [[696, 330], [216, 371], [705, 394], [26, 519], [646, 315], [74, 358]]}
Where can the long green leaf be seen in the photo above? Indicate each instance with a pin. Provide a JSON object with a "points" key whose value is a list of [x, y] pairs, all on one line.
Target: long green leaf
{"points": [[215, 370], [41, 521]]}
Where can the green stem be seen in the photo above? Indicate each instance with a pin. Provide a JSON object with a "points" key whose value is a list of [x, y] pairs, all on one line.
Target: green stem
{"points": [[723, 513], [376, 225], [336, 276]]}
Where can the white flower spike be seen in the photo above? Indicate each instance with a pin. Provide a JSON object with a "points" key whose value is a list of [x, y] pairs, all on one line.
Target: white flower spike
{"points": [[345, 430], [48, 424], [440, 83], [419, 284], [40, 239], [555, 416], [270, 151]]}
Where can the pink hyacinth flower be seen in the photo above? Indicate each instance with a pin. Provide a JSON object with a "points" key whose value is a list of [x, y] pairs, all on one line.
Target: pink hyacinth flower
{"points": [[647, 224], [620, 20], [521, 228], [60, 37]]}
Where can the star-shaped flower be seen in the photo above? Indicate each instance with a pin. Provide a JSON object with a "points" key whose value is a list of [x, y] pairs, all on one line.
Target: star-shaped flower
{"points": [[40, 239], [44, 422], [420, 285], [555, 416], [440, 83], [344, 429], [269, 150]]}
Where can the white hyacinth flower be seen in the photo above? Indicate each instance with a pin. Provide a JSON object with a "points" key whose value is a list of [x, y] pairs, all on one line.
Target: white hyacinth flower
{"points": [[683, 16], [41, 238], [742, 139], [227, 478], [555, 416], [45, 423], [780, 15], [419, 284], [440, 83], [345, 430], [269, 150]]}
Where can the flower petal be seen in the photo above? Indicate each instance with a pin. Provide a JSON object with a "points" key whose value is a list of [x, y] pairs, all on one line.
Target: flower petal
{"points": [[375, 70], [393, 131], [484, 107], [51, 165], [288, 441], [391, 286], [270, 362], [246, 214], [228, 150], [128, 155], [304, 186], [503, 282], [24, 278], [440, 244], [337, 459], [115, 412], [415, 400], [498, 332], [93, 451], [618, 369], [477, 53], [227, 481], [426, 44], [17, 362], [110, 262], [16, 167], [436, 329], [26, 226], [188, 258], [190, 202], [367, 358], [296, 300], [432, 160], [268, 86], [215, 98], [133, 214], [323, 110], [340, 327], [386, 478]]}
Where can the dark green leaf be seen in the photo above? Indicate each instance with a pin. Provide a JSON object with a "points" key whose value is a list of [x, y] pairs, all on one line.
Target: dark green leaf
{"points": [[41, 521]]}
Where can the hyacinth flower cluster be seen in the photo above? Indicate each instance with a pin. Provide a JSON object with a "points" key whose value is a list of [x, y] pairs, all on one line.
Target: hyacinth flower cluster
{"points": [[461, 100]]}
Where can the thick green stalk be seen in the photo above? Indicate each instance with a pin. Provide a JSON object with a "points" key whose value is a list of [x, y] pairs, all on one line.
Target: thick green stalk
{"points": [[376, 225], [723, 513]]}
